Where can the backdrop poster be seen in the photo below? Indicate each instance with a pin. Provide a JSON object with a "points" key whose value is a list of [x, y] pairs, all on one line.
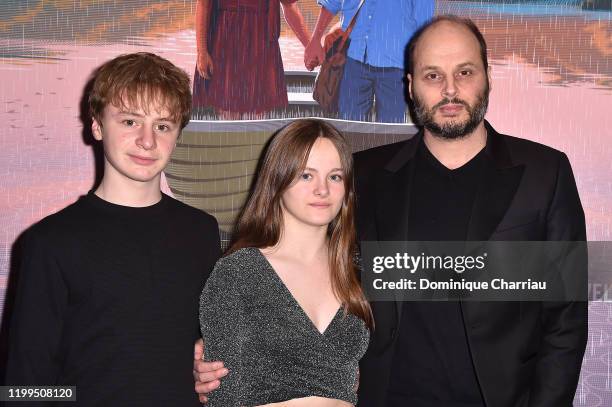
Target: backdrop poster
{"points": [[552, 83]]}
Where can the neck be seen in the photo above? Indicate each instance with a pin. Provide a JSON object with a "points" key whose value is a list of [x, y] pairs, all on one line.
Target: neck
{"points": [[127, 192], [307, 243], [456, 152]]}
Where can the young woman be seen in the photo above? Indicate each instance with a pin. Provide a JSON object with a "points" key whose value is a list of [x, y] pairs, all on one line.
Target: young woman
{"points": [[284, 310]]}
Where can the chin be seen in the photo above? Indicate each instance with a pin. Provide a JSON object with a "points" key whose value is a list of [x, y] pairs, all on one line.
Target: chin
{"points": [[458, 120], [452, 122], [143, 177], [319, 222]]}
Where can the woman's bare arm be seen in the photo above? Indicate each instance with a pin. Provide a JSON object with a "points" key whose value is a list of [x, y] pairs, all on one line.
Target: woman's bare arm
{"points": [[204, 62], [294, 18]]}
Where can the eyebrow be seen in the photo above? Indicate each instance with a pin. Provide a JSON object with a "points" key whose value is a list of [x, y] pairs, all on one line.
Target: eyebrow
{"points": [[126, 112], [129, 113], [463, 65], [314, 170]]}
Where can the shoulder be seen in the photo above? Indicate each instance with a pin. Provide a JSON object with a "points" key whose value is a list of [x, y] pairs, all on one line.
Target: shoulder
{"points": [[236, 266], [230, 278], [60, 224], [370, 164], [525, 151], [543, 165], [191, 214], [241, 261], [187, 210], [377, 156]]}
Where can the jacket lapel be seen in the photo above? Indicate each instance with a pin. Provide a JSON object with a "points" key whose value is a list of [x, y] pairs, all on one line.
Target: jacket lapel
{"points": [[392, 213], [393, 196], [495, 194], [497, 188]]}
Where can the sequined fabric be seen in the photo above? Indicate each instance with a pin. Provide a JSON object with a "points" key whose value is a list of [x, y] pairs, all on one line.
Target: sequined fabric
{"points": [[272, 350]]}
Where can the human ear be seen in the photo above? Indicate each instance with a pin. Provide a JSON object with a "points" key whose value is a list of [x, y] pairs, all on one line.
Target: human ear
{"points": [[409, 76], [96, 129]]}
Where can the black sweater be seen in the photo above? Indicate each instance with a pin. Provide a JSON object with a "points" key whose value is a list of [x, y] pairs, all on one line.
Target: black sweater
{"points": [[107, 300]]}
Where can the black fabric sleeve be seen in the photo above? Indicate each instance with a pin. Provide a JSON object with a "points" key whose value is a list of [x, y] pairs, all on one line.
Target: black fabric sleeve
{"points": [[220, 316], [565, 324], [37, 321], [213, 230]]}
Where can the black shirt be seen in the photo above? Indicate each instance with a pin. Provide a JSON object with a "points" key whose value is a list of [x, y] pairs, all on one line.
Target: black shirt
{"points": [[107, 300], [432, 365]]}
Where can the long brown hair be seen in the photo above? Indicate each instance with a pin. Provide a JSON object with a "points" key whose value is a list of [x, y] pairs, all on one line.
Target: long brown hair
{"points": [[261, 221]]}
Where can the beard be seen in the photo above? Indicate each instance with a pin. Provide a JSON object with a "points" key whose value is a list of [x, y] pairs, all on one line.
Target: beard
{"points": [[454, 129]]}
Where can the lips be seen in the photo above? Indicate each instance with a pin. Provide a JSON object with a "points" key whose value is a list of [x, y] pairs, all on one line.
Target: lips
{"points": [[450, 109], [320, 205], [142, 160]]}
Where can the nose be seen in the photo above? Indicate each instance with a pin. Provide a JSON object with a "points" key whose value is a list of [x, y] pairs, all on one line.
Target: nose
{"points": [[146, 138], [321, 188], [449, 90]]}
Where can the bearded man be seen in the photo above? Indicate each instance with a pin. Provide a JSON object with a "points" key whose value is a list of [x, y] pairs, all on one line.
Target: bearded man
{"points": [[459, 180]]}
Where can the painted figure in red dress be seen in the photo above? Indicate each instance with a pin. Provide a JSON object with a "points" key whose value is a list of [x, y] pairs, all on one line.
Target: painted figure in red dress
{"points": [[239, 70]]}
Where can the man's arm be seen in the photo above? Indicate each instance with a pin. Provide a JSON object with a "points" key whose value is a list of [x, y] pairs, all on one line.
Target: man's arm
{"points": [[423, 11], [565, 324], [38, 316]]}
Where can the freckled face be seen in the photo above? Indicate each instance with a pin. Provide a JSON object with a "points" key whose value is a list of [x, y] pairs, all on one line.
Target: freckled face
{"points": [[137, 145], [449, 86], [316, 196]]}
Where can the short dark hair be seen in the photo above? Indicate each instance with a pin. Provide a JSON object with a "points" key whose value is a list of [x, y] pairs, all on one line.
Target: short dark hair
{"points": [[465, 22], [128, 78]]}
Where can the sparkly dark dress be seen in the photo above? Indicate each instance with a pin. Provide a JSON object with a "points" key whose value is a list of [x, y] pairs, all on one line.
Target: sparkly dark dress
{"points": [[273, 351], [248, 74]]}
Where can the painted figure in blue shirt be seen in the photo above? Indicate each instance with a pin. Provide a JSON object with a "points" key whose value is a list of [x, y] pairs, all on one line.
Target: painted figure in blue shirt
{"points": [[375, 65]]}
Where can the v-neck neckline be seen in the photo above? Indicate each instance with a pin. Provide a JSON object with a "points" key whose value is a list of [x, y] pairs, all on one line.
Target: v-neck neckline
{"points": [[292, 298]]}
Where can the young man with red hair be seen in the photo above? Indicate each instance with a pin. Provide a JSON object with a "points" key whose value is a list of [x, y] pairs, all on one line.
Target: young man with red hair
{"points": [[109, 286]]}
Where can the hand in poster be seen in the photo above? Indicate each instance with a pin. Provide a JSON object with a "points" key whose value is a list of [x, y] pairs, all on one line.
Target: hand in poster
{"points": [[204, 64], [313, 54]]}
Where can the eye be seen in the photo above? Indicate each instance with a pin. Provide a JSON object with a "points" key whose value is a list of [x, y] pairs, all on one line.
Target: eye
{"points": [[129, 122], [464, 72], [336, 177], [162, 127], [306, 176], [433, 76]]}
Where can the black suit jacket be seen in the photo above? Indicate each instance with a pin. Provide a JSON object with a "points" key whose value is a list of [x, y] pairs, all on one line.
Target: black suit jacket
{"points": [[524, 353]]}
